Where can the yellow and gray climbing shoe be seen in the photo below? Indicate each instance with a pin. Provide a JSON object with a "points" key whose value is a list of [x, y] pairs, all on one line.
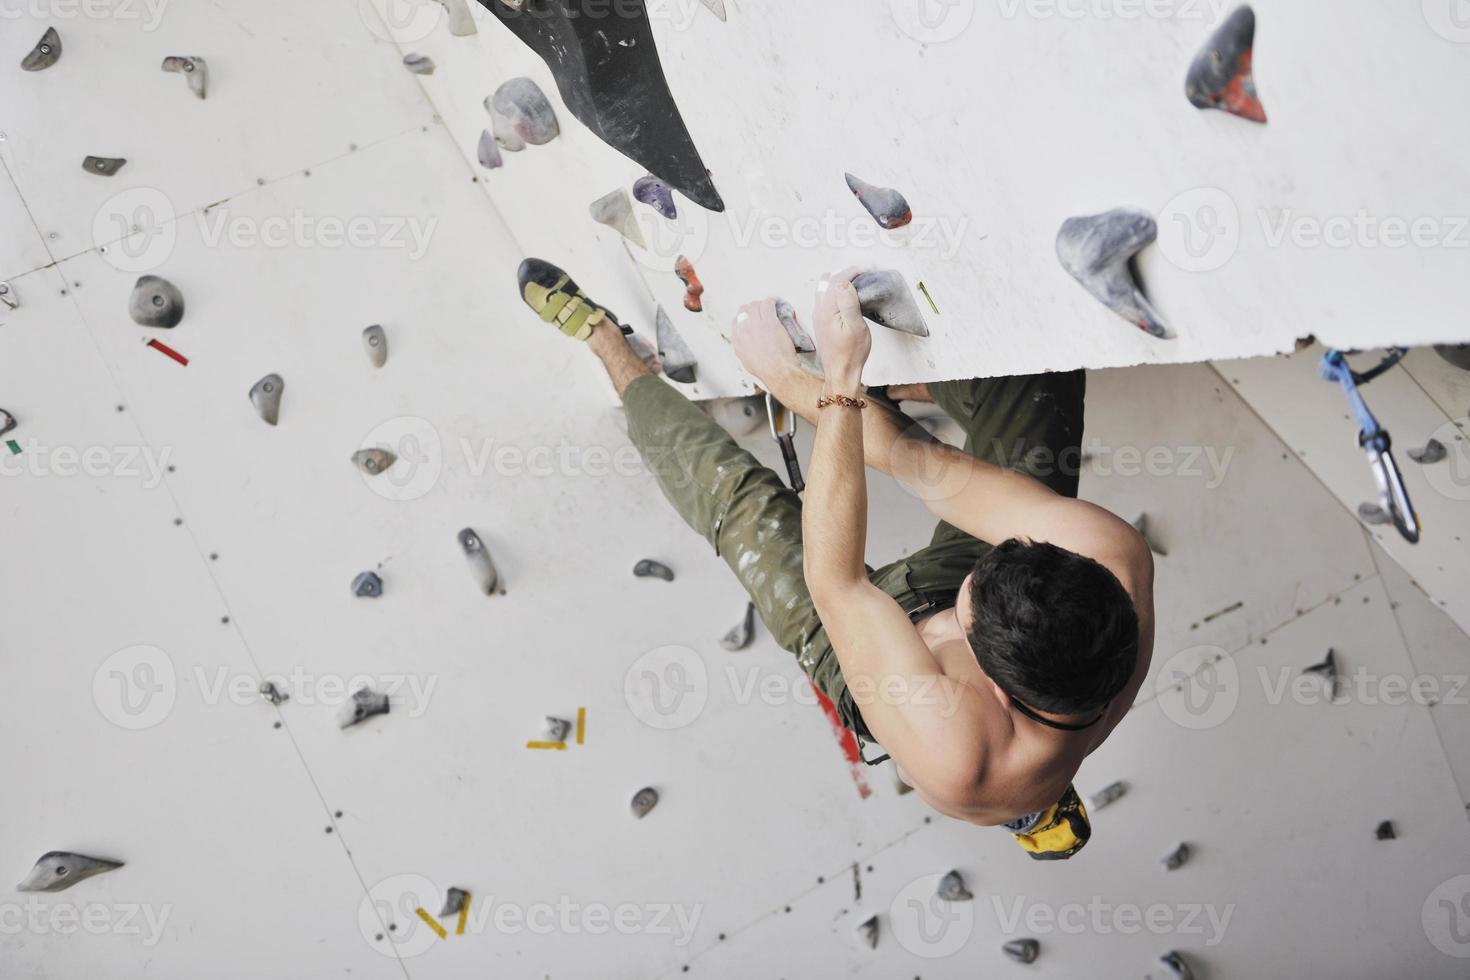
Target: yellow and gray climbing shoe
{"points": [[557, 299]]}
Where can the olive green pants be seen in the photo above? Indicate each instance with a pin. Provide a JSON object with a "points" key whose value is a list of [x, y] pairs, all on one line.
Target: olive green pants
{"points": [[753, 519]]}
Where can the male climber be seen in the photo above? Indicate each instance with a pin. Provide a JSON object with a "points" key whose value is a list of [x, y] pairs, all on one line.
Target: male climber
{"points": [[988, 664]]}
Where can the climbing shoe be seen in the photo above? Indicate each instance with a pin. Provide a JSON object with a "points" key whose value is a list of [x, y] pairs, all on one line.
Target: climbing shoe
{"points": [[555, 298]]}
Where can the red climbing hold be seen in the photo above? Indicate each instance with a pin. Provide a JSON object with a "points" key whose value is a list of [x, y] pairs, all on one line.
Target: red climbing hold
{"points": [[693, 288]]}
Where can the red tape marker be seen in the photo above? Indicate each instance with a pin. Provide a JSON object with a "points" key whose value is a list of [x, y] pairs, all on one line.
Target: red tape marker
{"points": [[163, 348], [847, 741]]}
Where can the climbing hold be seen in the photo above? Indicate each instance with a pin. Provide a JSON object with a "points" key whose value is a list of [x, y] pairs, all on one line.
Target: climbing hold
{"points": [[461, 24], [738, 638], [45, 53], [520, 113], [272, 694], [364, 704], [1141, 526], [1327, 670], [1433, 452], [1097, 250], [478, 556], [886, 205], [1108, 795], [647, 353], [615, 209], [489, 151], [156, 302], [103, 166], [800, 339], [266, 397], [1178, 857], [656, 194], [419, 64], [56, 871], [455, 898], [693, 288], [1456, 354], [375, 342], [1177, 965], [556, 298], [367, 585], [8, 299], [557, 729], [194, 70], [885, 299], [677, 359], [1373, 514], [1022, 950], [643, 801], [737, 416], [716, 7], [952, 888], [7, 422], [1220, 76], [374, 461], [868, 932], [648, 568], [1386, 831]]}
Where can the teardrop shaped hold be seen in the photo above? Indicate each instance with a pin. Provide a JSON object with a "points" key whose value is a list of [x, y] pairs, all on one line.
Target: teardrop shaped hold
{"points": [[374, 462], [156, 302], [365, 703], [644, 801], [488, 151], [887, 206], [693, 288], [657, 195], [520, 113], [615, 209], [46, 52], [885, 298], [1097, 251], [482, 566], [1221, 76], [194, 70], [1178, 857], [648, 568], [265, 395], [419, 64], [1022, 950], [375, 344], [678, 361], [104, 166], [56, 871]]}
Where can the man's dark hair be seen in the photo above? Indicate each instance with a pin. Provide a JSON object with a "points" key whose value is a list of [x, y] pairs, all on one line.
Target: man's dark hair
{"points": [[1057, 631]]}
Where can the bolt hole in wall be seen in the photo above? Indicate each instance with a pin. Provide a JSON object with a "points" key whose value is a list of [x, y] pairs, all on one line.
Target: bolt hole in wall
{"points": [[462, 579]]}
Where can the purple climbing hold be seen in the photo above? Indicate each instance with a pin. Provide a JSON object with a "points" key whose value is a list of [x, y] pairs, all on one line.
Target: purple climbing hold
{"points": [[657, 195], [1098, 249], [1221, 77]]}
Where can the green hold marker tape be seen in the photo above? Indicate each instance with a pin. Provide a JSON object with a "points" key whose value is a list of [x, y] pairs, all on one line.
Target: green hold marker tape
{"points": [[925, 290], [14, 447]]}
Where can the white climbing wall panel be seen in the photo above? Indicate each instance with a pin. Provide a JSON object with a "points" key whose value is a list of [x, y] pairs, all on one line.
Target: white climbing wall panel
{"points": [[165, 551]]}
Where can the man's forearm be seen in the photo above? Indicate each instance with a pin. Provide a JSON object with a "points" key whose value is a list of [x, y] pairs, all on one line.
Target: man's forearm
{"points": [[835, 519]]}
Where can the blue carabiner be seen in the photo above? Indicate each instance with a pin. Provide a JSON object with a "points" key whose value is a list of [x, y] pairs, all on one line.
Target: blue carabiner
{"points": [[1393, 496]]}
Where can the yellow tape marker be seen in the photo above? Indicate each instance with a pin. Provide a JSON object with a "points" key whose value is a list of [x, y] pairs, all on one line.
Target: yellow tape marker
{"points": [[558, 746], [581, 725], [432, 924], [464, 913]]}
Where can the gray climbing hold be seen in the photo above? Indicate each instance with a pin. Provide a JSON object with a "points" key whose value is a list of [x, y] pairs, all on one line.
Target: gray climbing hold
{"points": [[520, 113], [1097, 250], [1433, 452], [375, 343], [615, 209], [455, 898], [647, 353], [1107, 796], [800, 339], [194, 70], [104, 166], [1373, 514], [272, 694], [365, 703], [156, 302], [716, 7], [1456, 354], [952, 888], [419, 64], [678, 360], [56, 871], [487, 576], [648, 568], [7, 422], [374, 462], [368, 585], [266, 397], [1141, 526], [868, 932], [657, 195], [643, 801], [45, 53], [461, 24], [886, 205], [1178, 857], [738, 638], [886, 300], [1022, 950], [1177, 965], [8, 299], [557, 729], [1386, 831], [488, 151], [1220, 76]]}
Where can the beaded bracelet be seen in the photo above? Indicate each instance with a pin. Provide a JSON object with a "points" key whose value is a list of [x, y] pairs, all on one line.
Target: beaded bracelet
{"points": [[842, 400]]}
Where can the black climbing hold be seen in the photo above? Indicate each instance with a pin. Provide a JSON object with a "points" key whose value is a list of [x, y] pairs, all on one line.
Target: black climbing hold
{"points": [[868, 932], [693, 288], [374, 462], [194, 70], [419, 64], [454, 899], [487, 576], [1385, 831], [1220, 76], [7, 422], [648, 568], [609, 75], [266, 397], [1022, 950], [1177, 965], [272, 694], [365, 704], [520, 113], [886, 205], [1433, 452], [678, 361], [488, 151], [56, 871], [643, 801], [375, 343], [367, 585], [46, 52], [1108, 795], [738, 638], [952, 888], [103, 166], [657, 195], [1327, 670], [1178, 857], [156, 302], [1097, 250], [886, 300], [615, 209]]}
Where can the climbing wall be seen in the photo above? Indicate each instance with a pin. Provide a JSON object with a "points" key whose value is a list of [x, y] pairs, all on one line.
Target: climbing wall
{"points": [[167, 552]]}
